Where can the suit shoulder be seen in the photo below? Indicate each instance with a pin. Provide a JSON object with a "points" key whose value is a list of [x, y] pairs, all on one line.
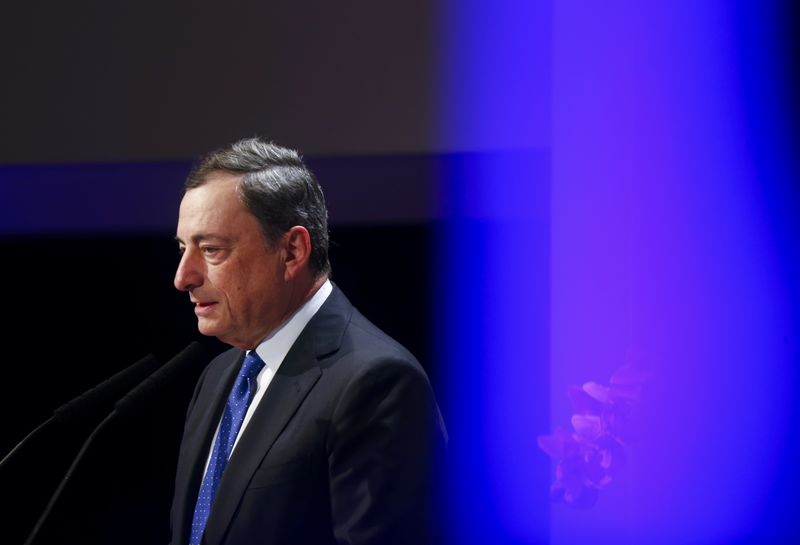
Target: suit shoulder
{"points": [[226, 356], [366, 346], [221, 362], [366, 365]]}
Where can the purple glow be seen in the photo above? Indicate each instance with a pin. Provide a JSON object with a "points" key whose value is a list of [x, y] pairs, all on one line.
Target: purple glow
{"points": [[669, 246], [661, 249]]}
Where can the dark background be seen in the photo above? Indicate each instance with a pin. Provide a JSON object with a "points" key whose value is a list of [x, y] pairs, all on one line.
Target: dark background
{"points": [[82, 308]]}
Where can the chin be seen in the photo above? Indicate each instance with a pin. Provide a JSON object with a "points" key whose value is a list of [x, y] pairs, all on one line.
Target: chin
{"points": [[211, 329]]}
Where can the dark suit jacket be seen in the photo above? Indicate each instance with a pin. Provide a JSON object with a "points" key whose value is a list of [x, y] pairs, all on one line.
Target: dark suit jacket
{"points": [[340, 450]]}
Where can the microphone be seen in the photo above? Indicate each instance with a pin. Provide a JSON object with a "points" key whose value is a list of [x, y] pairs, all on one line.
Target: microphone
{"points": [[31, 471], [119, 486], [189, 361]]}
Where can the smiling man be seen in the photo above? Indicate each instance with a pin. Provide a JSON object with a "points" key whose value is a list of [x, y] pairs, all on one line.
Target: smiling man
{"points": [[315, 427]]}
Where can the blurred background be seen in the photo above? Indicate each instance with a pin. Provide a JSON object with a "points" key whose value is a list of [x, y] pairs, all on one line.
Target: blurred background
{"points": [[526, 194]]}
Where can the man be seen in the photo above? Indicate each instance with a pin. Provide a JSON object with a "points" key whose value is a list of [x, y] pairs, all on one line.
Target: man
{"points": [[315, 427]]}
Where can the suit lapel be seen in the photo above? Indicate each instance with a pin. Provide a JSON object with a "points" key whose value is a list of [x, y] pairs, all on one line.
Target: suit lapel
{"points": [[287, 390], [198, 435]]}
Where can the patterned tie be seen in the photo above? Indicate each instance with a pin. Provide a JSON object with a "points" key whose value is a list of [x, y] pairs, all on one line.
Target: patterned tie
{"points": [[232, 417]]}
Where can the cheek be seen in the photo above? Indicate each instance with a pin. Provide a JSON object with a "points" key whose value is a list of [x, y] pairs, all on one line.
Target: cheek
{"points": [[244, 289], [238, 300]]}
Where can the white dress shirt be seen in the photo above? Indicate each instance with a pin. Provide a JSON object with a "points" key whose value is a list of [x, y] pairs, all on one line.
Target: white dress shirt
{"points": [[273, 350]]}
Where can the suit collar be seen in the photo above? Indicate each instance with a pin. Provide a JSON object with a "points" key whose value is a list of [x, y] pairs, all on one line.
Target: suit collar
{"points": [[328, 325]]}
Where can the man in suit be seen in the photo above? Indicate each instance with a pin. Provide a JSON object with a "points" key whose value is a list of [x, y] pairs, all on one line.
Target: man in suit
{"points": [[316, 427]]}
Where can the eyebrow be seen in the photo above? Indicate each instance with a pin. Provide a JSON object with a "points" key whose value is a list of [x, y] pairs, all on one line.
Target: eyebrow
{"points": [[201, 237]]}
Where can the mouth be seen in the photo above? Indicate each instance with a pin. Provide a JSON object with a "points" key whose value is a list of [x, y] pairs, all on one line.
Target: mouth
{"points": [[203, 308]]}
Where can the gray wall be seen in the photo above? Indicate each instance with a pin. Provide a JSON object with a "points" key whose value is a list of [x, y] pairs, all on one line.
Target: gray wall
{"points": [[151, 80]]}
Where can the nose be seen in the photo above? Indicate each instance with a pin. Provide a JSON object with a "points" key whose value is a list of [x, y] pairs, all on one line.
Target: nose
{"points": [[188, 275]]}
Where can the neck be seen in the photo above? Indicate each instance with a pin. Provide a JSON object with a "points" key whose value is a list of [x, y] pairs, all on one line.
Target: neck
{"points": [[299, 294], [308, 291]]}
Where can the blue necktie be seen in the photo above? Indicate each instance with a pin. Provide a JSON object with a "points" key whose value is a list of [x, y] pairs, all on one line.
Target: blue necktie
{"points": [[232, 418]]}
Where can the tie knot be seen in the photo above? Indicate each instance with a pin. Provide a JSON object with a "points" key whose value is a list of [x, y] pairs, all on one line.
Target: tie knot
{"points": [[252, 365]]}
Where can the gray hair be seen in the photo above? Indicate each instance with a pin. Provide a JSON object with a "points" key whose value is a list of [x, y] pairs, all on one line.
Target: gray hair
{"points": [[277, 188]]}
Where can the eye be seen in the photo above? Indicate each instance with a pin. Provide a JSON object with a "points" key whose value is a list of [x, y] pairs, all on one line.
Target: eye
{"points": [[181, 249], [214, 254]]}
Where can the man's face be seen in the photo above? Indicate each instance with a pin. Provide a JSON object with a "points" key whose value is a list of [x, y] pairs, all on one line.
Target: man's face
{"points": [[234, 278]]}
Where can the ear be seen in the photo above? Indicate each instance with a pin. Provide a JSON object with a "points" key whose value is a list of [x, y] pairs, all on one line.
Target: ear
{"points": [[297, 244]]}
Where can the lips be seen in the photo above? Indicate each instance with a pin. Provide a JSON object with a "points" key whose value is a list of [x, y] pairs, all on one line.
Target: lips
{"points": [[203, 308]]}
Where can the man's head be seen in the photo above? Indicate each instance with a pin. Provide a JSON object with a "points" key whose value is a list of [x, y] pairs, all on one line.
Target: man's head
{"points": [[253, 236], [277, 188]]}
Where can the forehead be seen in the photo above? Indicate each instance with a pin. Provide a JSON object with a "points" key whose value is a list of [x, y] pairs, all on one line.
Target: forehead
{"points": [[214, 209]]}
